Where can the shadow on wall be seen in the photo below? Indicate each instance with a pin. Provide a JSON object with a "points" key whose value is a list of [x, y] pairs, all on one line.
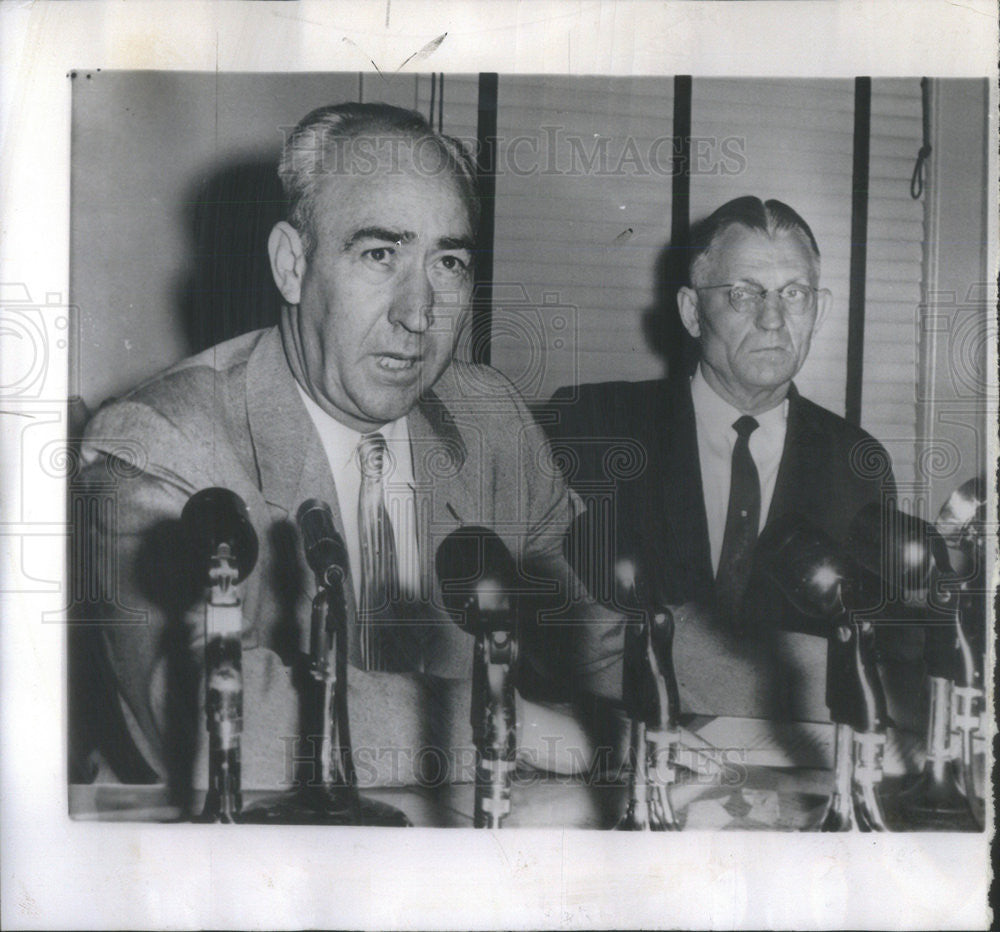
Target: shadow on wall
{"points": [[661, 321], [227, 288]]}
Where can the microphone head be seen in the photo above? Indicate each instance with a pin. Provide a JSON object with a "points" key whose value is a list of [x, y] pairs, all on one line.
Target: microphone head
{"points": [[805, 564], [636, 587], [217, 516], [478, 577], [961, 522], [897, 548], [324, 547]]}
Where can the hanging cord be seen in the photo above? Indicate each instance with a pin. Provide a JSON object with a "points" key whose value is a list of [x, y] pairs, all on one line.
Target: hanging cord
{"points": [[917, 181]]}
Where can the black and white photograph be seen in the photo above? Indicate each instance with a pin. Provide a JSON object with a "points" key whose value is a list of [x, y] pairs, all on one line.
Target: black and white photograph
{"points": [[600, 462]]}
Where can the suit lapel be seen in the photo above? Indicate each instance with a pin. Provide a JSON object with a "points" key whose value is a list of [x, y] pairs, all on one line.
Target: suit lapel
{"points": [[443, 499], [446, 495], [803, 446], [291, 462], [680, 486]]}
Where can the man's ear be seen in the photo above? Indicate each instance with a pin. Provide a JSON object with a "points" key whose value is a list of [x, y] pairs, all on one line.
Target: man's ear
{"points": [[288, 260], [824, 298], [687, 305]]}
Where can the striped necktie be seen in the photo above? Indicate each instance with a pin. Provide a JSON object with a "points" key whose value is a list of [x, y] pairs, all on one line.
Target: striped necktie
{"points": [[379, 573]]}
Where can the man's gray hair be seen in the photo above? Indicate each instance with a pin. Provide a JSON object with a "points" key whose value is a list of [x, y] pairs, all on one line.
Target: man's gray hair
{"points": [[354, 137], [770, 217]]}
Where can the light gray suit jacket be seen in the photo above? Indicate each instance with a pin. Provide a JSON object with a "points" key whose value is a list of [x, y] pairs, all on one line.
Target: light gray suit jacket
{"points": [[232, 417]]}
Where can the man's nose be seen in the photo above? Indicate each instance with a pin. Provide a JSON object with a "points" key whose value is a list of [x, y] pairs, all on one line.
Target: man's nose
{"points": [[413, 302], [771, 315]]}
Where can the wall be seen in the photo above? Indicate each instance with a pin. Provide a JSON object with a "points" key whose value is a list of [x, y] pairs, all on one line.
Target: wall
{"points": [[173, 194]]}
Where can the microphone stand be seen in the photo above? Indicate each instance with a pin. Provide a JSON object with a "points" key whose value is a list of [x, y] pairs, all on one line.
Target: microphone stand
{"points": [[817, 579], [652, 697], [223, 690], [968, 701], [857, 705], [479, 580], [223, 540], [950, 584], [935, 800], [333, 799], [961, 522], [493, 718]]}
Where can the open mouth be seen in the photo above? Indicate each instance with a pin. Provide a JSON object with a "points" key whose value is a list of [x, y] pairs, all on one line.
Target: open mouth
{"points": [[396, 362]]}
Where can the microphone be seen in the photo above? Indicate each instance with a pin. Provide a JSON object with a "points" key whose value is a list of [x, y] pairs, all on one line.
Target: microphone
{"points": [[325, 550], [478, 576], [896, 548], [807, 567], [946, 793], [329, 794], [821, 582], [224, 542], [214, 517], [651, 697]]}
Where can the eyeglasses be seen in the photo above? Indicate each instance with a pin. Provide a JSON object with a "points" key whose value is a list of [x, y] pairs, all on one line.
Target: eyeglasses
{"points": [[795, 298]]}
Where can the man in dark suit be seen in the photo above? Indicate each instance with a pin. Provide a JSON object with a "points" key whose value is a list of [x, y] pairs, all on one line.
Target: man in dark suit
{"points": [[374, 264], [718, 454]]}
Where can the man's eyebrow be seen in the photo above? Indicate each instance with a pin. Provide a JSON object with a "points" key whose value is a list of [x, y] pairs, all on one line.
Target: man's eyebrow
{"points": [[379, 233], [456, 242]]}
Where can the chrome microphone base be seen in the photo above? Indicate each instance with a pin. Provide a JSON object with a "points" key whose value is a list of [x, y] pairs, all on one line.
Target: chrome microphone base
{"points": [[935, 802], [652, 756], [218, 813], [855, 804], [635, 821], [838, 817], [322, 805], [860, 812]]}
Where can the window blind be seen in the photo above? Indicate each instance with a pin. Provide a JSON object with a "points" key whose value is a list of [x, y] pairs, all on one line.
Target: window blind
{"points": [[583, 218], [583, 211], [895, 269]]}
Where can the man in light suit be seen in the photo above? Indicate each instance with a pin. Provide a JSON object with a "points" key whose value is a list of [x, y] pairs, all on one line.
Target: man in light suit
{"points": [[727, 449], [374, 264]]}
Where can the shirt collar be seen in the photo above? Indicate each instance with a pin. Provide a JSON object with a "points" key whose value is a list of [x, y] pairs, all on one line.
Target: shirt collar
{"points": [[338, 436], [716, 416]]}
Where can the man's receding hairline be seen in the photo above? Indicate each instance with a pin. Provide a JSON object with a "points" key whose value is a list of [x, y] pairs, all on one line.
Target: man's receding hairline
{"points": [[773, 233], [322, 191], [327, 128]]}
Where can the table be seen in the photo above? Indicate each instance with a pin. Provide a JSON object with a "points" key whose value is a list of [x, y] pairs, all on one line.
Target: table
{"points": [[777, 778], [767, 799]]}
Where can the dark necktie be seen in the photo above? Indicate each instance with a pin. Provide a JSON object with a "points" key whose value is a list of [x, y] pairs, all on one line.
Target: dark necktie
{"points": [[742, 523], [379, 575]]}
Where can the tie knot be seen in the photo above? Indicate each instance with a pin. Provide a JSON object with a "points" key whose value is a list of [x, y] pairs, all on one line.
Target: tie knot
{"points": [[372, 453], [745, 426]]}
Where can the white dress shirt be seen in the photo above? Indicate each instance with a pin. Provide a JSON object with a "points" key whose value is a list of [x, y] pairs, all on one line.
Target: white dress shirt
{"points": [[341, 446], [714, 419]]}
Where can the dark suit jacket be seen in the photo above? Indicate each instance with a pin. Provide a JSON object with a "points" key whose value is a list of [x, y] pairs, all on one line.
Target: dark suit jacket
{"points": [[630, 450], [232, 416]]}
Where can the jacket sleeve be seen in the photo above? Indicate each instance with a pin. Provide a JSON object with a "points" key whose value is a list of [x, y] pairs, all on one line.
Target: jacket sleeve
{"points": [[573, 645], [130, 561]]}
